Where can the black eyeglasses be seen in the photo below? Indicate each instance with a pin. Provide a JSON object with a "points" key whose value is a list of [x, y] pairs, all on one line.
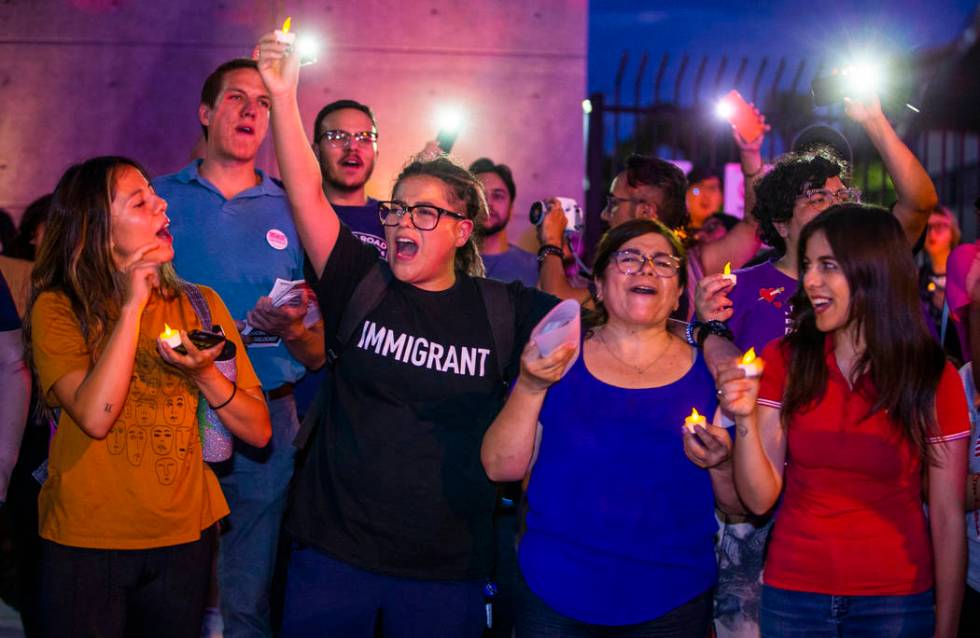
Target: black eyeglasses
{"points": [[631, 262], [423, 216], [825, 198], [612, 201], [343, 139]]}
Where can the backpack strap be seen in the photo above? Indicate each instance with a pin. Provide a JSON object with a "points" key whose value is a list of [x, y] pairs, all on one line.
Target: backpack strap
{"points": [[200, 306], [500, 314], [367, 295]]}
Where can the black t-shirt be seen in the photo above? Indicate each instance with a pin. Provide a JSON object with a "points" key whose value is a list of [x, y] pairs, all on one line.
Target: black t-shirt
{"points": [[393, 483]]}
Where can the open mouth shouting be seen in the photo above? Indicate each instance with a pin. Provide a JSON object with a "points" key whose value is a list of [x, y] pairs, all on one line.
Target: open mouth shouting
{"points": [[643, 289], [245, 129], [405, 248]]}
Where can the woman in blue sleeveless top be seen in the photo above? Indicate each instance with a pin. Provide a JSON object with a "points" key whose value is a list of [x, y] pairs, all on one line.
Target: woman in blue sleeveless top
{"points": [[620, 518]]}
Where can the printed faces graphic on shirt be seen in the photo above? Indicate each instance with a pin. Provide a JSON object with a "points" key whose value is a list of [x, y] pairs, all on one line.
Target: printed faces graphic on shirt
{"points": [[135, 445], [163, 440], [116, 439], [422, 353], [175, 410], [184, 441], [166, 469]]}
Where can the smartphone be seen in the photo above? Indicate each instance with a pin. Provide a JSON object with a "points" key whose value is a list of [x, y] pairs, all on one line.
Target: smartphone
{"points": [[743, 117], [829, 89], [202, 339], [446, 139]]}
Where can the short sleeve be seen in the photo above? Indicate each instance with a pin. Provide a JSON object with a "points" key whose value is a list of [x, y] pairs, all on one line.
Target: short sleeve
{"points": [[952, 416], [8, 310], [57, 344], [530, 305], [957, 267], [348, 263], [773, 381], [246, 378]]}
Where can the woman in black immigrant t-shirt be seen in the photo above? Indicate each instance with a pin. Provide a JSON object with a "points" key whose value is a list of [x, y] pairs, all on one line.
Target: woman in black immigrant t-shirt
{"points": [[391, 511]]}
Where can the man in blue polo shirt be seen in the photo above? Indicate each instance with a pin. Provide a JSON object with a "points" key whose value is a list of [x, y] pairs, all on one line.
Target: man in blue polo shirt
{"points": [[233, 232]]}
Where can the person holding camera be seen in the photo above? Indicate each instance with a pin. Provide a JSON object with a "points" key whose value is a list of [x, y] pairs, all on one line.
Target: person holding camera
{"points": [[128, 512], [391, 511], [621, 495]]}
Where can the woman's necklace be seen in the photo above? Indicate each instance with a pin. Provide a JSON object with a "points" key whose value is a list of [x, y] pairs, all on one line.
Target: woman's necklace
{"points": [[637, 369]]}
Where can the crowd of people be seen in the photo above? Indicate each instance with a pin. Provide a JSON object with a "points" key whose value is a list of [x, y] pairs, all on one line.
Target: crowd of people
{"points": [[406, 460]]}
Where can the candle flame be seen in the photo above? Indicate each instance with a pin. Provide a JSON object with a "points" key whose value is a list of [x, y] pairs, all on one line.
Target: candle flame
{"points": [[728, 268], [167, 332], [694, 414], [749, 356], [288, 23]]}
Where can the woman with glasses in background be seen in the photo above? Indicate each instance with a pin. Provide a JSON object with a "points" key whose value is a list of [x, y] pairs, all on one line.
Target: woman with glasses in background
{"points": [[620, 521], [857, 423], [391, 512]]}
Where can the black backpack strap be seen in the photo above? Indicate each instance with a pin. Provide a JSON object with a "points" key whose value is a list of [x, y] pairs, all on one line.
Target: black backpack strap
{"points": [[500, 314], [198, 303], [367, 295]]}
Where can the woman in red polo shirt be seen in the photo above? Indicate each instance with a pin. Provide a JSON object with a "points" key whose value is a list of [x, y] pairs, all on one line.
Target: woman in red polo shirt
{"points": [[854, 402]]}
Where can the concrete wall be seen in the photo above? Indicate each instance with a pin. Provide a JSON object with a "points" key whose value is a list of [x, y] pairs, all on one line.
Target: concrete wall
{"points": [[85, 77]]}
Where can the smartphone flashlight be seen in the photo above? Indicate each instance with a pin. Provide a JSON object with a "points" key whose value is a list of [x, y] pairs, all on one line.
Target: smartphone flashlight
{"points": [[450, 121], [308, 49]]}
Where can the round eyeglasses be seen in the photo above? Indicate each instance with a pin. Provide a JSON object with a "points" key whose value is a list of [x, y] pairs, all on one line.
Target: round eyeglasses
{"points": [[631, 262]]}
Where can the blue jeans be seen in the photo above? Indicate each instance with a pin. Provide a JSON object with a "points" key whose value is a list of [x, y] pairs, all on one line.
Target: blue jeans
{"points": [[536, 619], [255, 485], [326, 597], [790, 614]]}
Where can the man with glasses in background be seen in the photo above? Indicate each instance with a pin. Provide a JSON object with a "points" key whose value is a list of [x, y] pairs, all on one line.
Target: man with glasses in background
{"points": [[345, 142]]}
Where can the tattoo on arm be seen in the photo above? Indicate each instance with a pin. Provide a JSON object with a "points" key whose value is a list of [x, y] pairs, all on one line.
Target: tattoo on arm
{"points": [[742, 430], [108, 407]]}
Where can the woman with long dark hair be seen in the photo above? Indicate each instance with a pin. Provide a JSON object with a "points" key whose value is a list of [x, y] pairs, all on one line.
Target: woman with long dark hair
{"points": [[621, 496], [128, 510], [859, 415]]}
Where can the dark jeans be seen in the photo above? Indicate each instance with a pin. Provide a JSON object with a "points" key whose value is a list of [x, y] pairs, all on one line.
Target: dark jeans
{"points": [[791, 614], [535, 619], [970, 614], [150, 593], [326, 597]]}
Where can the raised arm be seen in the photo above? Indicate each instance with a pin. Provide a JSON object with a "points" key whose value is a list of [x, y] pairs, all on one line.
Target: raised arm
{"points": [[742, 242], [916, 193], [508, 444], [551, 273], [315, 219], [94, 397], [760, 448]]}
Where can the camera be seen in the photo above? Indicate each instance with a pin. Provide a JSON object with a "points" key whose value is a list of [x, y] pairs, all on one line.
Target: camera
{"points": [[574, 219]]}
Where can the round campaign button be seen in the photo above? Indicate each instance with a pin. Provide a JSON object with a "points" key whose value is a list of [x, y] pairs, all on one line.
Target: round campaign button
{"points": [[277, 239]]}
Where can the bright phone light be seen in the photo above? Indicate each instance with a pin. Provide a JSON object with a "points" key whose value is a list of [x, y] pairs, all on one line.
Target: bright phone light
{"points": [[724, 109], [308, 49], [449, 119], [586, 106], [863, 77]]}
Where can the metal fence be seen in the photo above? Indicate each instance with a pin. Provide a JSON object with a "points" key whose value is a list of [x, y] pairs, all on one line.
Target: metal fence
{"points": [[665, 107]]}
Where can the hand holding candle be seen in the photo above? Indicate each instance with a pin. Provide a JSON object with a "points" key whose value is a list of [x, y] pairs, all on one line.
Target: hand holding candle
{"points": [[283, 35], [693, 420], [727, 274], [751, 364], [170, 336]]}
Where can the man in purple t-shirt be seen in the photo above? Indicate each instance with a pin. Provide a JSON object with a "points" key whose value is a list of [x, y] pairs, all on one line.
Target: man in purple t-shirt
{"points": [[757, 307], [345, 142]]}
